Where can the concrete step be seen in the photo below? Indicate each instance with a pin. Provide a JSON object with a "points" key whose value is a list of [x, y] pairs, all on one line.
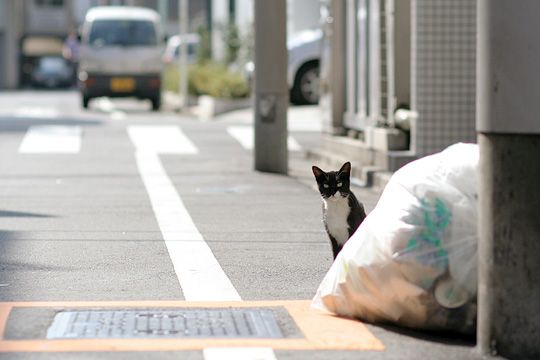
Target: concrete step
{"points": [[370, 168], [362, 173]]}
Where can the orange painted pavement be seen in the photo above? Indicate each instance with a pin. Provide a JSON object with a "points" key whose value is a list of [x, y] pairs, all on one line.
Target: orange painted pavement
{"points": [[322, 331]]}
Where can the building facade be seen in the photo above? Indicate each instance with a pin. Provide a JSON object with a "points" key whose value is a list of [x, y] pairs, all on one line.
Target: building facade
{"points": [[406, 85]]}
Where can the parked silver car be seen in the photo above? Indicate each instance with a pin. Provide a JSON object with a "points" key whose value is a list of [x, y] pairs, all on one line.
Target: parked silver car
{"points": [[304, 49]]}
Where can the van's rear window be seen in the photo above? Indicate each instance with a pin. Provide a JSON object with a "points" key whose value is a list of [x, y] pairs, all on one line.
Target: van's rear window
{"points": [[122, 33]]}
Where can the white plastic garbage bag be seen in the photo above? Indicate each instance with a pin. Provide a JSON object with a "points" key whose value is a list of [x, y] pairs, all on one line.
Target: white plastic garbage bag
{"points": [[412, 262]]}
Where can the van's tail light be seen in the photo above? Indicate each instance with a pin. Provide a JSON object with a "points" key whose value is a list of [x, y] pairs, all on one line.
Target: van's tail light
{"points": [[90, 81], [87, 80], [154, 83]]}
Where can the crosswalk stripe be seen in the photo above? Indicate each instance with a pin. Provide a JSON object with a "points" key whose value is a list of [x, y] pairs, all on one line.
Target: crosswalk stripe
{"points": [[51, 139], [163, 139], [199, 273], [36, 112], [244, 135]]}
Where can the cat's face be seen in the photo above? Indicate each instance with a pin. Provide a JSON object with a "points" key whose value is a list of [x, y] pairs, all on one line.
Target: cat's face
{"points": [[333, 184]]}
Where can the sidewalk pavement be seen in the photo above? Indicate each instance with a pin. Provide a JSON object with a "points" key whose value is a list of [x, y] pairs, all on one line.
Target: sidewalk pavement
{"points": [[304, 119], [264, 229], [399, 343]]}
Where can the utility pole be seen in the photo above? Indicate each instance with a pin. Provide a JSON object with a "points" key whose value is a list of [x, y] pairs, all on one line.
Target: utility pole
{"points": [[183, 19], [508, 123], [163, 10], [271, 92]]}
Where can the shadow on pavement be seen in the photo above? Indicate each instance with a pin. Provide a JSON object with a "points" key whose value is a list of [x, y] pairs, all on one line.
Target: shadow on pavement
{"points": [[441, 337], [22, 124], [6, 213]]}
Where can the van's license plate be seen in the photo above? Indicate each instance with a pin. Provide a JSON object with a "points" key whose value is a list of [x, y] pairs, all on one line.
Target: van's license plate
{"points": [[120, 84]]}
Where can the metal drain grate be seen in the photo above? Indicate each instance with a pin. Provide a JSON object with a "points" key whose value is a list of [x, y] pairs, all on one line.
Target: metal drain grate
{"points": [[164, 323]]}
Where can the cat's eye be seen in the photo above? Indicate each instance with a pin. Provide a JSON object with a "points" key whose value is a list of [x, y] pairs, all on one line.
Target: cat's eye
{"points": [[339, 184], [325, 186]]}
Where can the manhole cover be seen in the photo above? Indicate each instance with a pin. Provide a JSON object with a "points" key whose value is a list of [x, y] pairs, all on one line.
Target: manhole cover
{"points": [[164, 323]]}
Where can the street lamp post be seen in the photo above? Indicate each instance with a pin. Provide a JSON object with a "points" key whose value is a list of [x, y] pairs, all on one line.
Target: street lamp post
{"points": [[163, 10]]}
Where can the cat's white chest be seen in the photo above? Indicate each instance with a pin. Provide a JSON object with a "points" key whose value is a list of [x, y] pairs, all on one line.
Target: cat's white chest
{"points": [[337, 211]]}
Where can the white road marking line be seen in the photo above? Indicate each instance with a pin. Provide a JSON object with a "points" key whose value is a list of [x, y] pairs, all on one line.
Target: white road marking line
{"points": [[51, 140], [36, 112], [239, 354], [199, 273], [244, 135], [164, 139]]}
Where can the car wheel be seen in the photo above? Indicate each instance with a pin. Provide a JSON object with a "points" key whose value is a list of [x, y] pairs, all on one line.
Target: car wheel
{"points": [[306, 85]]}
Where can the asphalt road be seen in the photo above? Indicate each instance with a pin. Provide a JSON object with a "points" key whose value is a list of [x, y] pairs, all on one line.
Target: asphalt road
{"points": [[86, 217]]}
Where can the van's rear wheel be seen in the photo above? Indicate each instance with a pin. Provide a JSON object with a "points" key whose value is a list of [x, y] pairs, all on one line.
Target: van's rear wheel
{"points": [[85, 101], [156, 103]]}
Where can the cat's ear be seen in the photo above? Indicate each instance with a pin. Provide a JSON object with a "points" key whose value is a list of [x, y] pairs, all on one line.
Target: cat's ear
{"points": [[346, 168], [317, 172]]}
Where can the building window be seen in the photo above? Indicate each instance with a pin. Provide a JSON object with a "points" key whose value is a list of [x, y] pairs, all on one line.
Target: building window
{"points": [[49, 3]]}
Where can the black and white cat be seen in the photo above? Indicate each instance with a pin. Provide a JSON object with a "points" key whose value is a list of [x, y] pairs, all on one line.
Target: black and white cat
{"points": [[342, 212]]}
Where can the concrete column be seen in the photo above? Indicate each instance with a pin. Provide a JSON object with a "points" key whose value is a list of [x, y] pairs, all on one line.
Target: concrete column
{"points": [[332, 100], [509, 137], [13, 36], [271, 92]]}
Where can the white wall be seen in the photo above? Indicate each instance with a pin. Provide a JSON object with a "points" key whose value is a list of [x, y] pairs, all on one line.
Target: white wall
{"points": [[46, 19]]}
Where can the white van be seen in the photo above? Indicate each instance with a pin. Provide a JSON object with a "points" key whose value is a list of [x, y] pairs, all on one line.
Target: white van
{"points": [[121, 49]]}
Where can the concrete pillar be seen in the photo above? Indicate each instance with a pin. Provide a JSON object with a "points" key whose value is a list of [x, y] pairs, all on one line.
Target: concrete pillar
{"points": [[13, 34], [332, 99], [271, 91], [509, 137]]}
